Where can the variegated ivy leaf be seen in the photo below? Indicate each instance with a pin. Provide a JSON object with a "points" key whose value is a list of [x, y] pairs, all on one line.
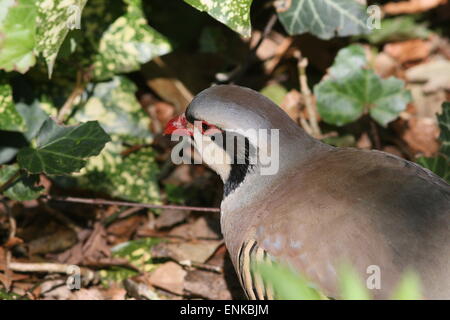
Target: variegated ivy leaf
{"points": [[55, 19], [233, 13], [10, 119], [128, 43], [17, 34], [119, 171], [323, 18]]}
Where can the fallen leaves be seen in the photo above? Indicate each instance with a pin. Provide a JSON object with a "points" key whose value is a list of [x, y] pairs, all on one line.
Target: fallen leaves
{"points": [[434, 74], [170, 277], [411, 6], [421, 136], [410, 50]]}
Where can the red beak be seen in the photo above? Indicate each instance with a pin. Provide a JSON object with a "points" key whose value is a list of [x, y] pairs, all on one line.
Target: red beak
{"points": [[179, 126]]}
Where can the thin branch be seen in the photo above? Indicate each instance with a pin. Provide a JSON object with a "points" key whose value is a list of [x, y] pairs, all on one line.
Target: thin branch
{"points": [[48, 267], [10, 181], [77, 91], [306, 92], [241, 68], [12, 234], [130, 204]]}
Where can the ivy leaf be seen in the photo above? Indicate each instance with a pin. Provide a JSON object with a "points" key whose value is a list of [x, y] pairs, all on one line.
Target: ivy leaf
{"points": [[398, 29], [127, 175], [54, 20], [10, 119], [24, 188], [323, 18], [17, 35], [439, 165], [34, 118], [353, 90], [128, 43], [344, 100], [348, 60], [233, 13], [444, 125], [62, 150]]}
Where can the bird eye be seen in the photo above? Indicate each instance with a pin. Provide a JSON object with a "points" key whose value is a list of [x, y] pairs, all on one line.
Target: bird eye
{"points": [[204, 126]]}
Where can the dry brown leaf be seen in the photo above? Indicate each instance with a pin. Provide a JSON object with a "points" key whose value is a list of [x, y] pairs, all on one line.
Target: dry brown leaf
{"points": [[170, 277], [435, 74], [410, 50], [170, 217], [291, 104], [207, 285], [421, 136], [364, 142], [198, 251], [87, 294], [385, 66], [202, 228], [411, 6]]}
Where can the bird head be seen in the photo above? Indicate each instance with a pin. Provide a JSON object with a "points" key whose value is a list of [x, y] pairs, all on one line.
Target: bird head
{"points": [[237, 131]]}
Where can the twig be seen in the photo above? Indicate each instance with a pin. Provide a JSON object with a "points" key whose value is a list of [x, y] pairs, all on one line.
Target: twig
{"points": [[12, 233], [241, 68], [306, 92], [48, 267], [201, 266], [267, 29], [77, 91], [139, 290], [10, 181], [130, 204], [375, 134]]}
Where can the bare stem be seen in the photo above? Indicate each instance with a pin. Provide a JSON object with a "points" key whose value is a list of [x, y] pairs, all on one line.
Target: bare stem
{"points": [[10, 181], [77, 91], [130, 204], [306, 92]]}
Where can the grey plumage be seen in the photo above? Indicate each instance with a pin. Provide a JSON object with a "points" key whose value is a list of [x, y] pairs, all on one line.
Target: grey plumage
{"points": [[328, 205]]}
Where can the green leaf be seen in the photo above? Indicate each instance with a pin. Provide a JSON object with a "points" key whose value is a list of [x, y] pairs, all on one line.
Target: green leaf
{"points": [[10, 119], [409, 287], [352, 91], [348, 60], [439, 165], [233, 13], [54, 21], [275, 92], [286, 284], [398, 29], [24, 188], [17, 35], [128, 43], [129, 176], [62, 150], [33, 116], [323, 18], [137, 252], [444, 126], [350, 284]]}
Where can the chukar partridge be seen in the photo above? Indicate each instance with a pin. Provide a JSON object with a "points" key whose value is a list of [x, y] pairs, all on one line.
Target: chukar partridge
{"points": [[323, 205]]}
